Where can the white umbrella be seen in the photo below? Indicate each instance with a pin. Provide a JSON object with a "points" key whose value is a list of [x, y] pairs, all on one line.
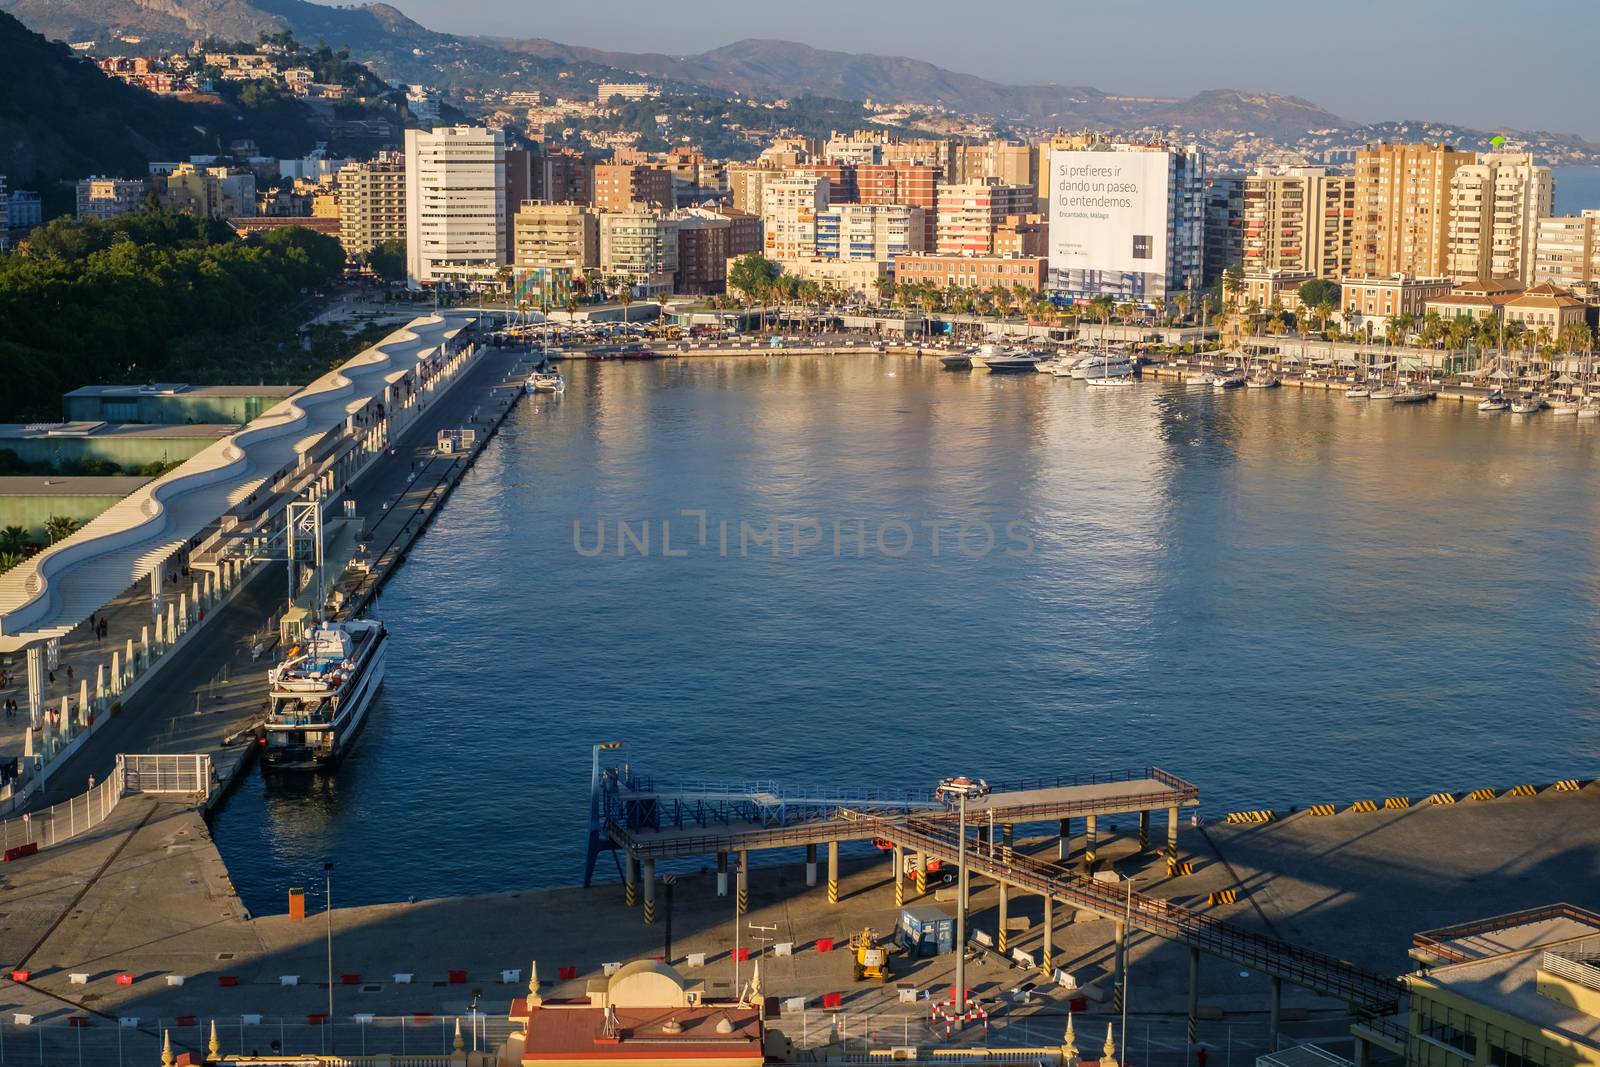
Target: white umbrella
{"points": [[1500, 376]]}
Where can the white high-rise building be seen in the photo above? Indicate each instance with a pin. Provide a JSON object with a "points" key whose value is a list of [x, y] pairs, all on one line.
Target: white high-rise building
{"points": [[789, 209], [1495, 207], [455, 205]]}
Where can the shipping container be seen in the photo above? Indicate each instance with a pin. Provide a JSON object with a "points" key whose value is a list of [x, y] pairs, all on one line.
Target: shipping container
{"points": [[926, 931]]}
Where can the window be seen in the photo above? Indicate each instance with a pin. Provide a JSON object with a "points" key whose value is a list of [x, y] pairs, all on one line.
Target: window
{"points": [[1442, 1031]]}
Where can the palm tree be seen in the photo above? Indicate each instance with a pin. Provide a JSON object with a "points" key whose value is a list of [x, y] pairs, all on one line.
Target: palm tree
{"points": [[1183, 302], [9, 560], [1324, 312], [59, 527], [14, 539], [1232, 283]]}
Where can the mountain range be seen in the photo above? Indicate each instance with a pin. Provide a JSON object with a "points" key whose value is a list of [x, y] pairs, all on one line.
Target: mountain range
{"points": [[400, 49]]}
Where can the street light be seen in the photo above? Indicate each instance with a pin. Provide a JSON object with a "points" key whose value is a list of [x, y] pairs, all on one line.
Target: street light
{"points": [[961, 788], [1127, 916], [327, 900]]}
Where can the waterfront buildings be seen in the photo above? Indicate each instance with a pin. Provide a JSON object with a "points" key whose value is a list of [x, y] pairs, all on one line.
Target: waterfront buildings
{"points": [[641, 246], [1369, 303], [1477, 299], [747, 186], [1300, 219], [522, 183], [1402, 205], [858, 278], [868, 231], [1224, 226], [970, 214], [1274, 287], [704, 237], [1544, 311], [972, 272], [1022, 235], [1567, 251], [455, 205], [107, 198], [371, 198], [1126, 221], [1496, 203], [618, 186], [789, 211], [912, 184], [563, 237]]}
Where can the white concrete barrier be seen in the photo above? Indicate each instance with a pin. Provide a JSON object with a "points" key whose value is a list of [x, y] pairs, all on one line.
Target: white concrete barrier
{"points": [[783, 948], [22, 1019], [174, 979], [402, 979], [365, 1018], [610, 969], [78, 978], [289, 979], [130, 1021], [511, 974], [695, 959], [250, 1020], [794, 1005], [1065, 980], [984, 938], [1024, 958], [908, 996]]}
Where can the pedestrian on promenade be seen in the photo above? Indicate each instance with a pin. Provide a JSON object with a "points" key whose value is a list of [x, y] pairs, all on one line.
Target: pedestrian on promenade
{"points": [[69, 672], [91, 781]]}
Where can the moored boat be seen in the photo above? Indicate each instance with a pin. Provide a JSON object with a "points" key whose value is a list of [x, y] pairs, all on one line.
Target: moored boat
{"points": [[319, 695], [546, 381]]}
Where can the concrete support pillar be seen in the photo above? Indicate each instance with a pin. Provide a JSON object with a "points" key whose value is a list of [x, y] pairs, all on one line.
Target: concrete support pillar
{"points": [[899, 877], [172, 625], [36, 677], [100, 691], [1144, 832], [922, 873], [833, 872], [1005, 842], [649, 891], [630, 879], [1090, 840], [1194, 991], [1047, 949], [811, 866], [83, 702], [1064, 841], [1362, 1053], [161, 630], [194, 597], [183, 615], [144, 647], [1172, 842], [722, 874], [742, 883], [1002, 937], [52, 654], [117, 680], [1274, 1013], [1119, 961]]}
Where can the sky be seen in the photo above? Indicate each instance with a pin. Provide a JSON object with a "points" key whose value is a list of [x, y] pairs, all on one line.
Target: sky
{"points": [[1527, 64]]}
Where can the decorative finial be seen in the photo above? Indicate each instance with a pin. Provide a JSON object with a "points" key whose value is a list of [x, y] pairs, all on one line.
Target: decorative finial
{"points": [[166, 1049], [215, 1046], [1069, 1044], [533, 978], [458, 1045], [1110, 1047]]}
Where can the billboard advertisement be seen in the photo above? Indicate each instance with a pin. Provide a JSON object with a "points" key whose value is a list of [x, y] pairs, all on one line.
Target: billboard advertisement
{"points": [[1108, 222]]}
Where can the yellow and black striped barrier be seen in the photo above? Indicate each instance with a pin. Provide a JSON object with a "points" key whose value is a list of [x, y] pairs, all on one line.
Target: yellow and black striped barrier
{"points": [[1363, 806], [1174, 868], [1248, 818], [1322, 809], [630, 895], [1222, 896], [1001, 941], [1567, 785], [1521, 791], [1396, 803], [1442, 798], [899, 893], [833, 894], [1481, 794], [922, 882], [649, 913]]}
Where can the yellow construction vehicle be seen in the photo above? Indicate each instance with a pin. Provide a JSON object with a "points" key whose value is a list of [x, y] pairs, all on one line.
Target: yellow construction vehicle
{"points": [[871, 957]]}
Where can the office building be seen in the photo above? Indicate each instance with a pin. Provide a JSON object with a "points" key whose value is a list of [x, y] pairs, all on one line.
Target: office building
{"points": [[1369, 303], [1126, 221], [972, 272], [1567, 251], [868, 231], [524, 181], [455, 205], [1495, 207], [1402, 209], [790, 206], [1224, 236], [107, 198], [564, 237], [969, 215], [619, 186], [1299, 219], [372, 203], [640, 245]]}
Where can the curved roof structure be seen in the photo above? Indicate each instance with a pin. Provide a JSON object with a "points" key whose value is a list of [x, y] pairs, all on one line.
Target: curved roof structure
{"points": [[60, 587]]}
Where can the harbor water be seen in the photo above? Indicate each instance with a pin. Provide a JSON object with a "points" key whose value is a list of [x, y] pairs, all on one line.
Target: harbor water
{"points": [[1285, 597]]}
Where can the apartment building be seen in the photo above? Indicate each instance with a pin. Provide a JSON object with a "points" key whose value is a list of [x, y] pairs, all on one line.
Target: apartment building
{"points": [[618, 186], [915, 184], [568, 177], [1002, 161], [744, 232], [641, 245], [1495, 207], [1299, 219], [209, 192], [1567, 251], [455, 205], [703, 242], [1022, 235], [971, 272], [563, 237], [1476, 299], [969, 214], [869, 231], [746, 184], [1224, 226], [1402, 209], [842, 188], [372, 202], [107, 198], [627, 90], [790, 206]]}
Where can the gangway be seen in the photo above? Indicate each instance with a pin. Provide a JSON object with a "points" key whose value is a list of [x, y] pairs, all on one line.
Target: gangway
{"points": [[1373, 994]]}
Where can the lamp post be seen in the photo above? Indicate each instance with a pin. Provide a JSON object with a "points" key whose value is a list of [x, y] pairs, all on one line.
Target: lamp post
{"points": [[961, 788], [1127, 916], [327, 901]]}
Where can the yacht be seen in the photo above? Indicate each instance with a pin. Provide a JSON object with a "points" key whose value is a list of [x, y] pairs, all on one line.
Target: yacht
{"points": [[1384, 392], [1204, 380], [979, 358], [1359, 391], [1564, 405], [1230, 380], [1263, 379], [1064, 368], [956, 360], [1410, 394], [1102, 365], [546, 381], [1012, 362], [1589, 408], [1109, 381], [1495, 401], [318, 697], [1526, 404]]}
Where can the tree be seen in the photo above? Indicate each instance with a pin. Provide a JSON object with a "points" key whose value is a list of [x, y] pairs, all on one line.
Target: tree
{"points": [[9, 560], [1317, 291], [60, 527], [1232, 283], [15, 539], [753, 275], [388, 259]]}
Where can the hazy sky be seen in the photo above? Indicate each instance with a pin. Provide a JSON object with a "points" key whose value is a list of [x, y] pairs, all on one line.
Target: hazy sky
{"points": [[1481, 63]]}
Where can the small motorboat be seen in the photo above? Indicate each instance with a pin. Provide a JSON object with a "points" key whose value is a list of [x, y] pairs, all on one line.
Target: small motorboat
{"points": [[1564, 405], [956, 360], [1410, 394], [1109, 381], [1384, 392], [1263, 379], [1589, 408], [1359, 391], [1233, 380]]}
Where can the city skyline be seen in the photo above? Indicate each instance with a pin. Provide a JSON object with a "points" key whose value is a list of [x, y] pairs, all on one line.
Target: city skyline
{"points": [[1413, 53]]}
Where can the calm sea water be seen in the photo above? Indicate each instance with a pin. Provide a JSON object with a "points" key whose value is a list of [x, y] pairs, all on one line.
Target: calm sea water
{"points": [[1577, 188], [1285, 597]]}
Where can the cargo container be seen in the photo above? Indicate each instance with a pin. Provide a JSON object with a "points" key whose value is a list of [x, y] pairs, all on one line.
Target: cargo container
{"points": [[926, 931]]}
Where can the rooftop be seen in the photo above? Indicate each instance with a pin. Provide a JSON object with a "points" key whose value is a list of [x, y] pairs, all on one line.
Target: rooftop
{"points": [[560, 1032], [58, 485], [175, 388], [33, 430]]}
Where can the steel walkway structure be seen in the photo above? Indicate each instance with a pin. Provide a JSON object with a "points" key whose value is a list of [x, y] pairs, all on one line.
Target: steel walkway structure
{"points": [[1372, 994]]}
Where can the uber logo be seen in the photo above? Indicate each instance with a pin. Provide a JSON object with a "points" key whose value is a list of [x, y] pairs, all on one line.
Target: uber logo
{"points": [[1141, 246]]}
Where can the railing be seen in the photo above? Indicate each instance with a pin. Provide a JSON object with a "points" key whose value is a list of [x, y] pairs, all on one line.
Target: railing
{"points": [[1435, 941], [178, 773], [60, 822], [1574, 967], [1377, 993]]}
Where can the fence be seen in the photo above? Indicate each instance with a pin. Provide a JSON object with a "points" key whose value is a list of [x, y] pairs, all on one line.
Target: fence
{"points": [[59, 822], [180, 773]]}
